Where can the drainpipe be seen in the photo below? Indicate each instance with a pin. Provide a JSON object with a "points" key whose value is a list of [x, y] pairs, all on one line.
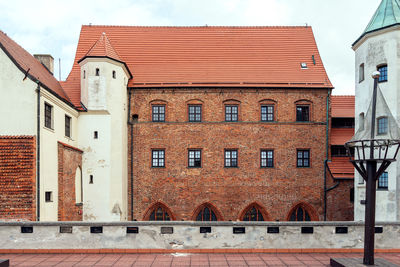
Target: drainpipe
{"points": [[38, 154], [327, 151], [130, 123]]}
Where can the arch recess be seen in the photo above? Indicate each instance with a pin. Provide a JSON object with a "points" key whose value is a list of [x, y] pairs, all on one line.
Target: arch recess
{"points": [[254, 212], [158, 212], [302, 212], [207, 212]]}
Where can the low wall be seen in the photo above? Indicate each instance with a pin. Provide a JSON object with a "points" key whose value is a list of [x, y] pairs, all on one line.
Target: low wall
{"points": [[193, 235]]}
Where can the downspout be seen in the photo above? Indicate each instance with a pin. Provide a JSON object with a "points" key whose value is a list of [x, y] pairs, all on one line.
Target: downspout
{"points": [[130, 123], [38, 153], [327, 150]]}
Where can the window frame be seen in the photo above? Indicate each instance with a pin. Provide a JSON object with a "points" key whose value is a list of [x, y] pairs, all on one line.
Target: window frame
{"points": [[230, 150], [267, 106], [385, 186], [48, 119], [158, 150], [308, 106], [194, 150], [384, 77], [195, 113], [386, 124], [231, 113], [152, 112], [302, 150], [68, 126], [261, 158]]}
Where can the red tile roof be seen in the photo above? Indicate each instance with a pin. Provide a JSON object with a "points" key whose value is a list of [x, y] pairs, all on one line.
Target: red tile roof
{"points": [[343, 106], [103, 48], [339, 136], [30, 65], [340, 168], [208, 56]]}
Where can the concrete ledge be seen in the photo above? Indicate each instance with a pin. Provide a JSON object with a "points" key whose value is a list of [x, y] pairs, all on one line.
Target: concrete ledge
{"points": [[199, 251]]}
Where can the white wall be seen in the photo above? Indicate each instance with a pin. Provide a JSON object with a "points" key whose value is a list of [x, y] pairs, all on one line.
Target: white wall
{"points": [[106, 157], [17, 100], [379, 48]]}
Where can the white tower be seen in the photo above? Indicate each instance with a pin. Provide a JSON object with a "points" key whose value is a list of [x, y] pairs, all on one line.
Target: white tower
{"points": [[103, 132], [378, 49]]}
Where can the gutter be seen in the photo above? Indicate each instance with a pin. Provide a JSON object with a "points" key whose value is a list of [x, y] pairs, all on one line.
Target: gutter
{"points": [[130, 123], [38, 153], [327, 151]]}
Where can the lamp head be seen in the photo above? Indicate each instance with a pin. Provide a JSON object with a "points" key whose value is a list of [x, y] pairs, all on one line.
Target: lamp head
{"points": [[376, 74]]}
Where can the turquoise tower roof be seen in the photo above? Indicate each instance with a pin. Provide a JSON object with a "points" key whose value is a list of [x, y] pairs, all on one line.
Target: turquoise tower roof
{"points": [[387, 14]]}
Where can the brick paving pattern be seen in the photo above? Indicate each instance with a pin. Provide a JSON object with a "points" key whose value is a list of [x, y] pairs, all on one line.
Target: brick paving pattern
{"points": [[255, 259]]}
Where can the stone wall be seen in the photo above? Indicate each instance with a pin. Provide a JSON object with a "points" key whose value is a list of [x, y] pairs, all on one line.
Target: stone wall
{"points": [[229, 191], [17, 178], [69, 161], [189, 235]]}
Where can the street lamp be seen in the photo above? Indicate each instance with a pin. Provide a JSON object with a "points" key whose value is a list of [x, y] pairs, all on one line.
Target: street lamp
{"points": [[370, 151]]}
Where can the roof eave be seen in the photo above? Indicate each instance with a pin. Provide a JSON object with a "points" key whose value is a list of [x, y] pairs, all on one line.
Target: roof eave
{"points": [[366, 34], [116, 60]]}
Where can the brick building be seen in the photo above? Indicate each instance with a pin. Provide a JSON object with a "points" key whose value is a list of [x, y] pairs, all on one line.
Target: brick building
{"points": [[190, 123]]}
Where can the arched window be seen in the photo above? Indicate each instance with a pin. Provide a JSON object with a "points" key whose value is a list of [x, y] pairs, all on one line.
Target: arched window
{"points": [[206, 214], [302, 212], [158, 212], [97, 72], [254, 213], [78, 185]]}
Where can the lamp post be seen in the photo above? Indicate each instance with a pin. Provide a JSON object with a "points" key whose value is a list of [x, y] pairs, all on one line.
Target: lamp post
{"points": [[368, 153]]}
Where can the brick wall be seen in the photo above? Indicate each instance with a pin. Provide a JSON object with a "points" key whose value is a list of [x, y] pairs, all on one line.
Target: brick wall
{"points": [[69, 160], [339, 206], [230, 190], [17, 178]]}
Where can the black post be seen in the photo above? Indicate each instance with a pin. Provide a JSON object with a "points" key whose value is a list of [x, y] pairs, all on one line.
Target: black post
{"points": [[369, 231]]}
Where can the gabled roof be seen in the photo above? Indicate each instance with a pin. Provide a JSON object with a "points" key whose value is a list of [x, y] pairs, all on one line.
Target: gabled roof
{"points": [[31, 66], [341, 168], [209, 56], [103, 48], [387, 14], [343, 106]]}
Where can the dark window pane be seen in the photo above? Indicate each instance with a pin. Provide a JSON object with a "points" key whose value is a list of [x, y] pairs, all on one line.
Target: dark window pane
{"points": [[384, 73], [299, 214], [199, 216], [213, 216], [302, 113], [206, 214], [152, 216], [307, 216]]}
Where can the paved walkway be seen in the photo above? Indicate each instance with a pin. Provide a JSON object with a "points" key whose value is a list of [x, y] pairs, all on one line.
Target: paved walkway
{"points": [[312, 259]]}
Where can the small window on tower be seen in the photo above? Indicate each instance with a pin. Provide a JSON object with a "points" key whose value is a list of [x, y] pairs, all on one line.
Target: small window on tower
{"points": [[361, 73], [96, 135], [97, 72], [114, 75], [49, 196], [84, 74], [91, 179]]}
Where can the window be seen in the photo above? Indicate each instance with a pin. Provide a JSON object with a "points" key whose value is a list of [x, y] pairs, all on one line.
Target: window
{"points": [[95, 135], [97, 72], [231, 157], [342, 122], [194, 113], [114, 75], [352, 194], [84, 74], [231, 113], [91, 179], [160, 213], [206, 214], [267, 113], [383, 181], [48, 115], [158, 158], [340, 151], [302, 113], [384, 73], [195, 158], [67, 126], [361, 73], [300, 214], [253, 214], [303, 158], [158, 113], [382, 125], [48, 196], [267, 158], [361, 121]]}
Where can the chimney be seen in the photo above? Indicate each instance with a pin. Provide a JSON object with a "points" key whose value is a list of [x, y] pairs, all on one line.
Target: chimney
{"points": [[47, 61]]}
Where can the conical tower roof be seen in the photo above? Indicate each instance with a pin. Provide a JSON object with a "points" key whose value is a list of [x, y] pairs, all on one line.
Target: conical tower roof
{"points": [[103, 48], [387, 14]]}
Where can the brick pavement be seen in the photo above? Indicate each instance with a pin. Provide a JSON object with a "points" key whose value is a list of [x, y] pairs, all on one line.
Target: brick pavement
{"points": [[177, 259]]}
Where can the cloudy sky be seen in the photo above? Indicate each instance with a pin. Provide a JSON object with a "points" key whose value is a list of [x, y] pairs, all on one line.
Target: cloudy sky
{"points": [[53, 26]]}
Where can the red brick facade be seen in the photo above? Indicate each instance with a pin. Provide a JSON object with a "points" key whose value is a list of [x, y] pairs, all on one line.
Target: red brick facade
{"points": [[339, 204], [17, 178], [228, 191], [69, 161]]}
